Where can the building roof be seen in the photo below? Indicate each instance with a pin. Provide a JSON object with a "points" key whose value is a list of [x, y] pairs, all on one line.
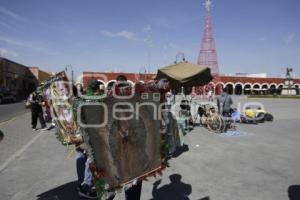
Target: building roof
{"points": [[7, 60]]}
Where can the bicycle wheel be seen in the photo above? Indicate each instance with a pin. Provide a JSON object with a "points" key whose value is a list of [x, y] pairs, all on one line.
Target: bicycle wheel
{"points": [[216, 123]]}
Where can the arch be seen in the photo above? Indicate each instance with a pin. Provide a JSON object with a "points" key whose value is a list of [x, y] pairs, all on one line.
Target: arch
{"points": [[219, 87], [238, 89], [211, 83], [247, 88], [263, 84], [239, 83], [265, 88], [256, 88], [247, 83], [227, 83], [275, 84], [279, 88], [280, 85], [297, 88], [230, 87], [210, 86], [220, 83], [254, 85], [272, 88]]}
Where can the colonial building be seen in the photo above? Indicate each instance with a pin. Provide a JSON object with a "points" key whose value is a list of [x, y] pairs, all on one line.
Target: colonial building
{"points": [[19, 78], [237, 85]]}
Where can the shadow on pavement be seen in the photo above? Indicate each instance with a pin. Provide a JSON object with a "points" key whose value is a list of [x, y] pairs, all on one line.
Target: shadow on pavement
{"points": [[1, 136], [176, 190], [294, 192], [67, 191], [180, 150], [205, 198]]}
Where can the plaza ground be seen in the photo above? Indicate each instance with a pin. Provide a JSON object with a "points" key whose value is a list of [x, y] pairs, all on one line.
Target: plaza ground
{"points": [[261, 164]]}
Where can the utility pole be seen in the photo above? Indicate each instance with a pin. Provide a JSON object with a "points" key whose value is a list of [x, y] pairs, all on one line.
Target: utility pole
{"points": [[149, 59], [72, 72], [72, 76]]}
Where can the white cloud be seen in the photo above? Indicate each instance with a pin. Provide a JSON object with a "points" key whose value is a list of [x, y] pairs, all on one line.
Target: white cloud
{"points": [[128, 35], [8, 54], [11, 14], [123, 34], [290, 38], [131, 36]]}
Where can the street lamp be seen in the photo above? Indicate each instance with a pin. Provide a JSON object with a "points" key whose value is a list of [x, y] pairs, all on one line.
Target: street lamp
{"points": [[179, 54]]}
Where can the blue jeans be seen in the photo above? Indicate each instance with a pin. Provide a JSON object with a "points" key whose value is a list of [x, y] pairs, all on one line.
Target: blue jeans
{"points": [[226, 113], [83, 171]]}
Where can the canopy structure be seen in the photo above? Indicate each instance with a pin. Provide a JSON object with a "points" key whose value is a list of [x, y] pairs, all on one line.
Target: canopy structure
{"points": [[185, 74]]}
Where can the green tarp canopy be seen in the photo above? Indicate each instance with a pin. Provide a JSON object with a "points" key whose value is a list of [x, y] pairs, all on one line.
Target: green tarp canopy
{"points": [[185, 74]]}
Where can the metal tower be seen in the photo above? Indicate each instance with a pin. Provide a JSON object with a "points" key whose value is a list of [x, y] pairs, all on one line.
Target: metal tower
{"points": [[208, 55]]}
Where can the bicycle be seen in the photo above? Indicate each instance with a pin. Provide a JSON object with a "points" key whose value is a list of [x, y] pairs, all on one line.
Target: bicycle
{"points": [[210, 118]]}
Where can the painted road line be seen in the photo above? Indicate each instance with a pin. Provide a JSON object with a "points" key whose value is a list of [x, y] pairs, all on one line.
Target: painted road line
{"points": [[12, 118], [19, 153]]}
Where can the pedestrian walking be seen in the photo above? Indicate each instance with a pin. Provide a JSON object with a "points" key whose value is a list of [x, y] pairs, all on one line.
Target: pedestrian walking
{"points": [[36, 103], [224, 102]]}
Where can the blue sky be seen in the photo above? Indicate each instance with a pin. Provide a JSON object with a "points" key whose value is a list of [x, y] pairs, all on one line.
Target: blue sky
{"points": [[104, 35]]}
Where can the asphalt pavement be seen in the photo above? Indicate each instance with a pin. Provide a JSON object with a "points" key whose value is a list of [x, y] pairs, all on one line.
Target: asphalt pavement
{"points": [[262, 163], [10, 110]]}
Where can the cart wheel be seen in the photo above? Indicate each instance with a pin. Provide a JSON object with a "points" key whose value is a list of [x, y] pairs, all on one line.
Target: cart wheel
{"points": [[216, 124]]}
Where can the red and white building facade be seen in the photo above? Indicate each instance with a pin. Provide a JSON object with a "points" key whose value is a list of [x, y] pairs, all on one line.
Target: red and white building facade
{"points": [[236, 85]]}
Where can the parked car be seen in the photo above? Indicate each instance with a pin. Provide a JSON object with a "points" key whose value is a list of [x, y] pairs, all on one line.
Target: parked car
{"points": [[7, 95]]}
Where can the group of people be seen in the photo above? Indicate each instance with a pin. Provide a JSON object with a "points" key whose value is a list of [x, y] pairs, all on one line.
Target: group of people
{"points": [[86, 187], [249, 115], [36, 103]]}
